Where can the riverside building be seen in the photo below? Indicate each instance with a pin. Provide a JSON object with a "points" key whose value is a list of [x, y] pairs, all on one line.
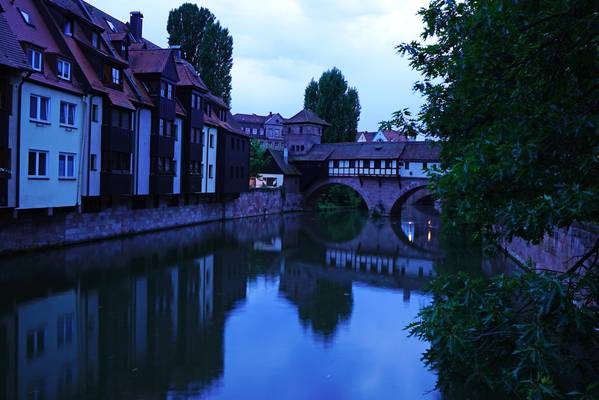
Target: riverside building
{"points": [[92, 114]]}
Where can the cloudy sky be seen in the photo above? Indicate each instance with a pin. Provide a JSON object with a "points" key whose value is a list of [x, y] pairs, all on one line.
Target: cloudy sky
{"points": [[279, 45]]}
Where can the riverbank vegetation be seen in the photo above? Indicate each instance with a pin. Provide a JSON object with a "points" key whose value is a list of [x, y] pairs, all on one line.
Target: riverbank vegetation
{"points": [[511, 93]]}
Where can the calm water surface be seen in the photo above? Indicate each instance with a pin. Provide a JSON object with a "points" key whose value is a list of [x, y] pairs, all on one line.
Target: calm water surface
{"points": [[302, 306]]}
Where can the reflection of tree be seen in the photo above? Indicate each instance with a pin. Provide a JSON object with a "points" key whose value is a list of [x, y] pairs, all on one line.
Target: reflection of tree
{"points": [[323, 304], [330, 305], [338, 227]]}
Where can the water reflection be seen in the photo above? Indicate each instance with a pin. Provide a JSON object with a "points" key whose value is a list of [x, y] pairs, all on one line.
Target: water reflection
{"points": [[156, 316]]}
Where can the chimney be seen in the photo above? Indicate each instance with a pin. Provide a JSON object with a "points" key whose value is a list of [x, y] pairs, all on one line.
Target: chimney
{"points": [[136, 25], [286, 155], [177, 51]]}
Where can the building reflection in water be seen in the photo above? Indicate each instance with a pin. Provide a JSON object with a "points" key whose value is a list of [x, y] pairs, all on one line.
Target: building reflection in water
{"points": [[144, 317]]}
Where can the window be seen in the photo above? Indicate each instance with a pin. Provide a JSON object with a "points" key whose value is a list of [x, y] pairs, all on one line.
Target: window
{"points": [[160, 126], [116, 76], [26, 17], [64, 330], [36, 342], [35, 59], [66, 166], [162, 89], [211, 141], [210, 172], [95, 115], [110, 25], [93, 162], [424, 165], [169, 91], [64, 70], [193, 101], [95, 40], [39, 108], [38, 164], [68, 28], [68, 114]]}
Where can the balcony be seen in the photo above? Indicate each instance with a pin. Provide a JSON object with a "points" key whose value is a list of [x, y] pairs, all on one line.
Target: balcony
{"points": [[117, 139], [167, 108], [161, 184], [192, 183], [162, 146], [194, 151], [112, 183], [196, 118]]}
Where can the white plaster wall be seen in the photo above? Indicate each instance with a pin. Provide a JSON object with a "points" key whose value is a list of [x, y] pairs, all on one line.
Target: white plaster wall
{"points": [[50, 192], [93, 146], [13, 122], [209, 158], [416, 170], [142, 151], [178, 141]]}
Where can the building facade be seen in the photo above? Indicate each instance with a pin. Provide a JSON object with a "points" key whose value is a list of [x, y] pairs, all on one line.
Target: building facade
{"points": [[92, 114], [268, 129]]}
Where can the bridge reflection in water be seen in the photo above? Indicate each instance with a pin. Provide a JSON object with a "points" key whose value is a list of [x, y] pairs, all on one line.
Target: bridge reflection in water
{"points": [[147, 316]]}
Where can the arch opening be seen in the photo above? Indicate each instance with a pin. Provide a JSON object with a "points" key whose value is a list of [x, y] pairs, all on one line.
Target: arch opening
{"points": [[419, 195], [335, 196]]}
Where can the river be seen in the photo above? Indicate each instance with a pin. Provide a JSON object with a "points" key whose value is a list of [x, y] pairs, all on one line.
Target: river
{"points": [[301, 306]]}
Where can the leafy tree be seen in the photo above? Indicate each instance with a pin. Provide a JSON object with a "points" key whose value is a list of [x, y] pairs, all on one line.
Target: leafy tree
{"points": [[258, 159], [205, 44], [333, 100], [511, 91]]}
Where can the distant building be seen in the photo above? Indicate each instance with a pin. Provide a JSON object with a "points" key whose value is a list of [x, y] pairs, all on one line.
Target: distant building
{"points": [[380, 136], [268, 129]]}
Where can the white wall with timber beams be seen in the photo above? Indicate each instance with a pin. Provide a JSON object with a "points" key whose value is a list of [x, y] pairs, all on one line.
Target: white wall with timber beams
{"points": [[50, 137]]}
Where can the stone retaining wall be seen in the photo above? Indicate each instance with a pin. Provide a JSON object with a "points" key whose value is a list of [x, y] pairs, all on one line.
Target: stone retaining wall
{"points": [[36, 232], [559, 251]]}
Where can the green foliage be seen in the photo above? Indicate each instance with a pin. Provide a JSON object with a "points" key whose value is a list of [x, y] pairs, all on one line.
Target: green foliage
{"points": [[525, 337], [338, 196], [258, 158], [511, 91], [333, 100], [205, 44]]}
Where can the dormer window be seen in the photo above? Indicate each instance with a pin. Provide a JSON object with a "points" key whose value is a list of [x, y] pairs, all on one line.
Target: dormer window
{"points": [[95, 40], [64, 70], [116, 76], [35, 59], [68, 28], [110, 25], [26, 17]]}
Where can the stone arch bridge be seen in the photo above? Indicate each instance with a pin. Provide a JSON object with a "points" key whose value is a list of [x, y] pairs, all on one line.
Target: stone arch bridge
{"points": [[382, 195]]}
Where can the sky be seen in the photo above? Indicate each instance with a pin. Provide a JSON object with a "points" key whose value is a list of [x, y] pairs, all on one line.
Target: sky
{"points": [[280, 45]]}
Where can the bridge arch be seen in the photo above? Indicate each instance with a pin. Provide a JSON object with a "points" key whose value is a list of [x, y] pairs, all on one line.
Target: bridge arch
{"points": [[383, 196], [315, 190], [411, 193]]}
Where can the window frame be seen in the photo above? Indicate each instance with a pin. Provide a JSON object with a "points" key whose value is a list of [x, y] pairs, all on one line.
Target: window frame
{"points": [[32, 59], [37, 174], [116, 73], [95, 41], [60, 71], [67, 28], [66, 122], [26, 15], [62, 175], [38, 109], [110, 24]]}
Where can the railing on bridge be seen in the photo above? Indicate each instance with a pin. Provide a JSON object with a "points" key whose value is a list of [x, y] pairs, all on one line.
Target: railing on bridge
{"points": [[383, 168]]}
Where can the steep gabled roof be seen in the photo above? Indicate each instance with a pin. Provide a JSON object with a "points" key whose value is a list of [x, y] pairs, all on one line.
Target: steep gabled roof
{"points": [[216, 100], [188, 76], [152, 61], [11, 53], [306, 116], [284, 167]]}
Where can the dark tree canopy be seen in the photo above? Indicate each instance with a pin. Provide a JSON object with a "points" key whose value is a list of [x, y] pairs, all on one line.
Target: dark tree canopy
{"points": [[511, 91], [205, 44], [333, 100]]}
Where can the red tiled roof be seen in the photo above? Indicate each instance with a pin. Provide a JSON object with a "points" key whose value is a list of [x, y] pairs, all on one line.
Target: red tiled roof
{"points": [[149, 61], [11, 53], [421, 151], [306, 117], [251, 118], [217, 100], [188, 76], [394, 136]]}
